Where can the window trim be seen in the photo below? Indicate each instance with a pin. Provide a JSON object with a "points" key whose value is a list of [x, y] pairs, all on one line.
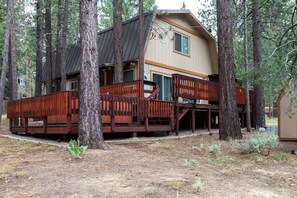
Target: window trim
{"points": [[189, 43]]}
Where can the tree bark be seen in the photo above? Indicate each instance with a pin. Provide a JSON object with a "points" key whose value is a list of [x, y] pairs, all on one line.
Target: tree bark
{"points": [[229, 126], [90, 132], [48, 37], [59, 40], [117, 20], [5, 53], [64, 46], [13, 78], [141, 41], [259, 88], [246, 66], [38, 78]]}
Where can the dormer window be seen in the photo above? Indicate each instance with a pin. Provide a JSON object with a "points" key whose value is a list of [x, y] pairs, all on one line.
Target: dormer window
{"points": [[181, 43]]}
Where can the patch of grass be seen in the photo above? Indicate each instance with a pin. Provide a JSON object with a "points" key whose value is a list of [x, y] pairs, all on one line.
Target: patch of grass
{"points": [[190, 162], [228, 172], [154, 192], [51, 148], [20, 174], [257, 158], [165, 146], [22, 142], [175, 185], [10, 170], [198, 184], [271, 121], [223, 160], [6, 170], [294, 162], [281, 156], [3, 151]]}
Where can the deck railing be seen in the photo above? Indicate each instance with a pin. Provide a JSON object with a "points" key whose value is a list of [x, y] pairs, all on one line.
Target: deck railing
{"points": [[193, 88], [132, 89]]}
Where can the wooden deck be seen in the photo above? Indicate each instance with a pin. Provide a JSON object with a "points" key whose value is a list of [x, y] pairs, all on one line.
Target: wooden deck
{"points": [[125, 107]]}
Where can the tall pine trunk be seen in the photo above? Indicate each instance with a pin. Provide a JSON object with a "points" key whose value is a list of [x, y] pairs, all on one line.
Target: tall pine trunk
{"points": [[90, 132], [117, 20], [229, 126], [246, 66], [259, 88], [48, 51], [13, 78], [38, 78], [8, 28], [59, 41], [141, 41], [64, 46]]}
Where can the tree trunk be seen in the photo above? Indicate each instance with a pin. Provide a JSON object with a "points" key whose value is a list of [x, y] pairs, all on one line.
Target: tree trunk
{"points": [[90, 132], [229, 126], [13, 78], [5, 53], [48, 52], [117, 20], [259, 89], [38, 78], [59, 41], [141, 41], [64, 46], [246, 66]]}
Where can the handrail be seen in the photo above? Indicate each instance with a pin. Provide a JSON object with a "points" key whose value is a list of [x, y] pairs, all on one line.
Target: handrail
{"points": [[193, 88]]}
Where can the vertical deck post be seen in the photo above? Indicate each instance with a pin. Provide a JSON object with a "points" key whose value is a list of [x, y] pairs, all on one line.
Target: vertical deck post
{"points": [[26, 125], [10, 124], [146, 115], [176, 116], [209, 119], [45, 124], [69, 120], [112, 116], [193, 117]]}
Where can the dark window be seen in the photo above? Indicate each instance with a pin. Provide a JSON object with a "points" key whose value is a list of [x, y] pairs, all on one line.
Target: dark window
{"points": [[181, 43], [128, 76], [74, 86], [164, 83]]}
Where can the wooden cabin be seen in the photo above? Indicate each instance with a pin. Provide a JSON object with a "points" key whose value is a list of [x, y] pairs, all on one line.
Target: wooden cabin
{"points": [[287, 113], [180, 90]]}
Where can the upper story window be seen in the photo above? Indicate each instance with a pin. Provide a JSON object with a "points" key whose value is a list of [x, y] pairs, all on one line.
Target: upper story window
{"points": [[181, 43], [74, 85]]}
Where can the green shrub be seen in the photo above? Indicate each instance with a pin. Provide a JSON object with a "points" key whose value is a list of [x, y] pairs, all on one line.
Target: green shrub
{"points": [[258, 143], [281, 156], [214, 148], [75, 150], [198, 184]]}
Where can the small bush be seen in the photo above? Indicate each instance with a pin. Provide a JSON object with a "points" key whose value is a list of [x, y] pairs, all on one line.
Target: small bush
{"points": [[223, 160], [198, 184], [281, 156], [214, 148], [75, 150], [190, 162], [261, 143]]}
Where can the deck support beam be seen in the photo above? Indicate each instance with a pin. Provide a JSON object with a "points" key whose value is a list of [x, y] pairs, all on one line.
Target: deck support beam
{"points": [[45, 124], [193, 117], [209, 119], [176, 117]]}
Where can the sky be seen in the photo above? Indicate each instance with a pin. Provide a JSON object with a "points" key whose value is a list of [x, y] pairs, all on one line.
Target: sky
{"points": [[192, 5]]}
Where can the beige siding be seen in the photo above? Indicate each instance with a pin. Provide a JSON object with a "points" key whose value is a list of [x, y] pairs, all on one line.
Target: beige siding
{"points": [[288, 126], [162, 50]]}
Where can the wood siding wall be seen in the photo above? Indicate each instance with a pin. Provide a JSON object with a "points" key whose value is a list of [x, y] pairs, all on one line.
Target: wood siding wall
{"points": [[287, 128], [197, 64]]}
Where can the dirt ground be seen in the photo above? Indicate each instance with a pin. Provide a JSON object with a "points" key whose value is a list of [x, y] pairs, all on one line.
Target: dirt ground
{"points": [[164, 168]]}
